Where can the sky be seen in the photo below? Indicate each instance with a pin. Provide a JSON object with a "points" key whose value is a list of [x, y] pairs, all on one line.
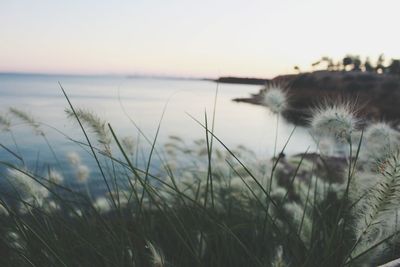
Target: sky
{"points": [[207, 38]]}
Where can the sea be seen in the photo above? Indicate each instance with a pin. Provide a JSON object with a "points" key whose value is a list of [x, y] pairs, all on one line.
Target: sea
{"points": [[146, 109]]}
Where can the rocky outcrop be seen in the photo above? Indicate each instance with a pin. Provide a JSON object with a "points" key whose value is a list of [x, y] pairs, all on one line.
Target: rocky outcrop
{"points": [[374, 96]]}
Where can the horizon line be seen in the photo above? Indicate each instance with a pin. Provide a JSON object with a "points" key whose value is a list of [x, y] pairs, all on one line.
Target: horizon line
{"points": [[144, 76], [154, 76]]}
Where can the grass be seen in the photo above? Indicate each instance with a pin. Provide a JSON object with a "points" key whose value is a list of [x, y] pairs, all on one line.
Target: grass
{"points": [[205, 204]]}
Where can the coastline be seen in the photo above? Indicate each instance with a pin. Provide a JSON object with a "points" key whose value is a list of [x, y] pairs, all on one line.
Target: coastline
{"points": [[376, 96]]}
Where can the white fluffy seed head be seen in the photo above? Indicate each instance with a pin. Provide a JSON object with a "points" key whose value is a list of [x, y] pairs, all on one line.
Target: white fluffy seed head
{"points": [[375, 210], [379, 132], [15, 241], [51, 206], [157, 257], [5, 123], [278, 193], [278, 260], [82, 173], [128, 143], [336, 120], [300, 219], [381, 139], [55, 177], [201, 243], [28, 188], [275, 98], [27, 118], [102, 205], [327, 145], [96, 124], [74, 158]]}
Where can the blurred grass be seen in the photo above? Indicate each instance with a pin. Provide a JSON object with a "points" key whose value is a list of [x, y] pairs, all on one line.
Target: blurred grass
{"points": [[206, 205]]}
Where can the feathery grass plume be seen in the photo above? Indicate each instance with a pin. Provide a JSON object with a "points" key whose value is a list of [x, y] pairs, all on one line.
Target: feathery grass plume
{"points": [[75, 213], [275, 98], [82, 173], [74, 158], [374, 213], [29, 190], [5, 123], [381, 140], [157, 257], [278, 193], [362, 183], [327, 146], [15, 241], [102, 205], [318, 190], [201, 244], [186, 184], [130, 256], [128, 143], [96, 124], [121, 196], [55, 176], [278, 260], [51, 206], [28, 119], [238, 190], [3, 210], [336, 120], [301, 219]]}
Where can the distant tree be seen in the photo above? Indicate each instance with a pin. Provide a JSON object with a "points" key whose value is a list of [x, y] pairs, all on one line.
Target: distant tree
{"points": [[356, 63], [368, 66], [329, 63], [380, 68], [347, 61], [296, 68], [394, 67], [316, 63]]}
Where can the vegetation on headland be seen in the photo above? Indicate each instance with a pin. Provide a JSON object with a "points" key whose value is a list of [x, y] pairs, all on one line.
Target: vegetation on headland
{"points": [[355, 63], [375, 86], [351, 63], [206, 204]]}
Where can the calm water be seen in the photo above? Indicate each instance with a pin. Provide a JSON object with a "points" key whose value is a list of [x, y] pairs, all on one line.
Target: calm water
{"points": [[143, 100]]}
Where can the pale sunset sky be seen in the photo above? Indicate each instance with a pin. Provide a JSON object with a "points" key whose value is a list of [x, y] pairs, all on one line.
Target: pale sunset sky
{"points": [[207, 38]]}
